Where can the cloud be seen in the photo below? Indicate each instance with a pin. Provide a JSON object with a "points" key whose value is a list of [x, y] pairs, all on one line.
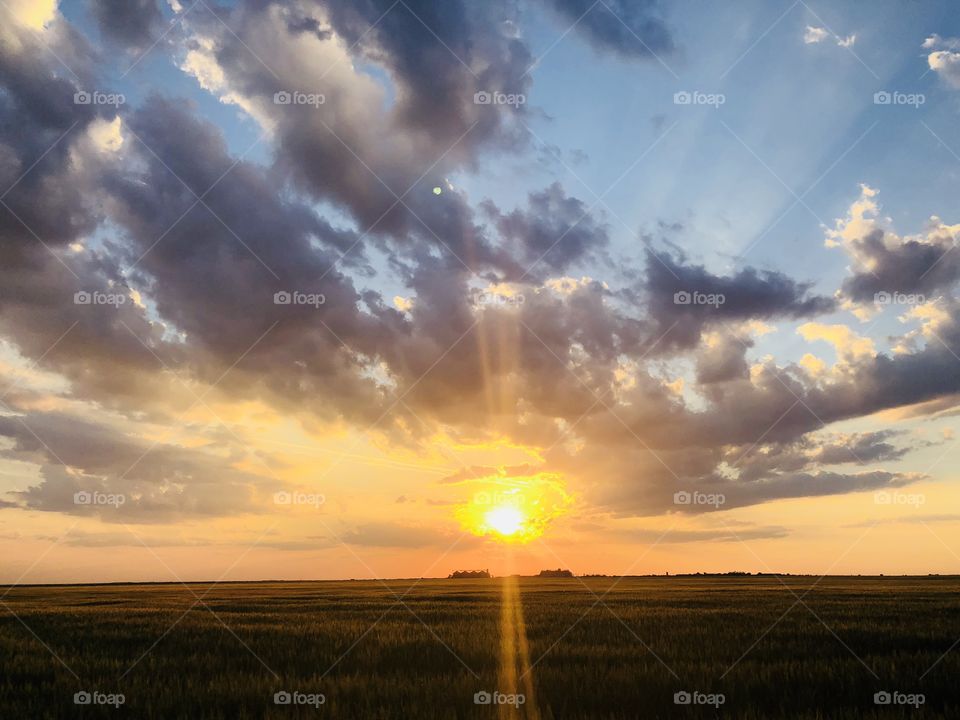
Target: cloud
{"points": [[814, 452], [149, 203], [132, 24], [884, 262], [945, 58], [800, 485], [334, 150], [83, 538], [908, 520], [685, 299], [813, 35], [642, 535], [848, 344], [33, 14], [554, 231], [628, 28], [398, 535], [173, 483], [722, 355]]}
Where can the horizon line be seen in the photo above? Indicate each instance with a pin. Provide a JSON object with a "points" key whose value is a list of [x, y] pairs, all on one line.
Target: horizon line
{"points": [[732, 574]]}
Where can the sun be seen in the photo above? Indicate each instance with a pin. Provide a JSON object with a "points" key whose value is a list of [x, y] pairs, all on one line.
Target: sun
{"points": [[505, 520], [514, 509]]}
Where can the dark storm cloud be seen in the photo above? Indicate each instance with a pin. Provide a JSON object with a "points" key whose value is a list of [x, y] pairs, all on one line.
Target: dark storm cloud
{"points": [[629, 28], [907, 266], [129, 23], [689, 298]]}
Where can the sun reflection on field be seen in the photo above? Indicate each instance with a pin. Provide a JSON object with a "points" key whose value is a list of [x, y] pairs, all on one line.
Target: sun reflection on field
{"points": [[516, 672]]}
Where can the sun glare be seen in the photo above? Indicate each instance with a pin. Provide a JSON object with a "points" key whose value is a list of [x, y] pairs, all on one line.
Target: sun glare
{"points": [[514, 509], [505, 520]]}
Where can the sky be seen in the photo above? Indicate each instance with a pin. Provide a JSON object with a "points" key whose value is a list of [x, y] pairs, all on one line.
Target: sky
{"points": [[363, 288]]}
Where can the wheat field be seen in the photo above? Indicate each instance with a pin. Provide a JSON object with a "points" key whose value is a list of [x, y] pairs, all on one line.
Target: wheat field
{"points": [[655, 647]]}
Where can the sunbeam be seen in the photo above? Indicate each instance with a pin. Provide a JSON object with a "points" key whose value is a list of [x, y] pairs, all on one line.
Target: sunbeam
{"points": [[515, 670]]}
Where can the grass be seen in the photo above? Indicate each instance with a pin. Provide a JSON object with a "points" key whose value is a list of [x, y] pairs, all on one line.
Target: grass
{"points": [[748, 638]]}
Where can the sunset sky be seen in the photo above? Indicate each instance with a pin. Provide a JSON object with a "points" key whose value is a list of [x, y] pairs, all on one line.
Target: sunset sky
{"points": [[364, 288]]}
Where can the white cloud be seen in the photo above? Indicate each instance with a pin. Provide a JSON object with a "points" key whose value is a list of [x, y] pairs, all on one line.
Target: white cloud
{"points": [[848, 344], [945, 58], [861, 219], [107, 136], [814, 35]]}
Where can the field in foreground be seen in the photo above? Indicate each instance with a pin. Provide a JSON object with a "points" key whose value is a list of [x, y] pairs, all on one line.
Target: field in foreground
{"points": [[795, 648]]}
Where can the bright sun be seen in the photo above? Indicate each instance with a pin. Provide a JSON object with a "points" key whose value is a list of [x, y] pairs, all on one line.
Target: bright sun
{"points": [[514, 509], [505, 519]]}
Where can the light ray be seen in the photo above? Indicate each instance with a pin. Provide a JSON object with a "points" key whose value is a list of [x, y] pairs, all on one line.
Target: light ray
{"points": [[515, 655]]}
